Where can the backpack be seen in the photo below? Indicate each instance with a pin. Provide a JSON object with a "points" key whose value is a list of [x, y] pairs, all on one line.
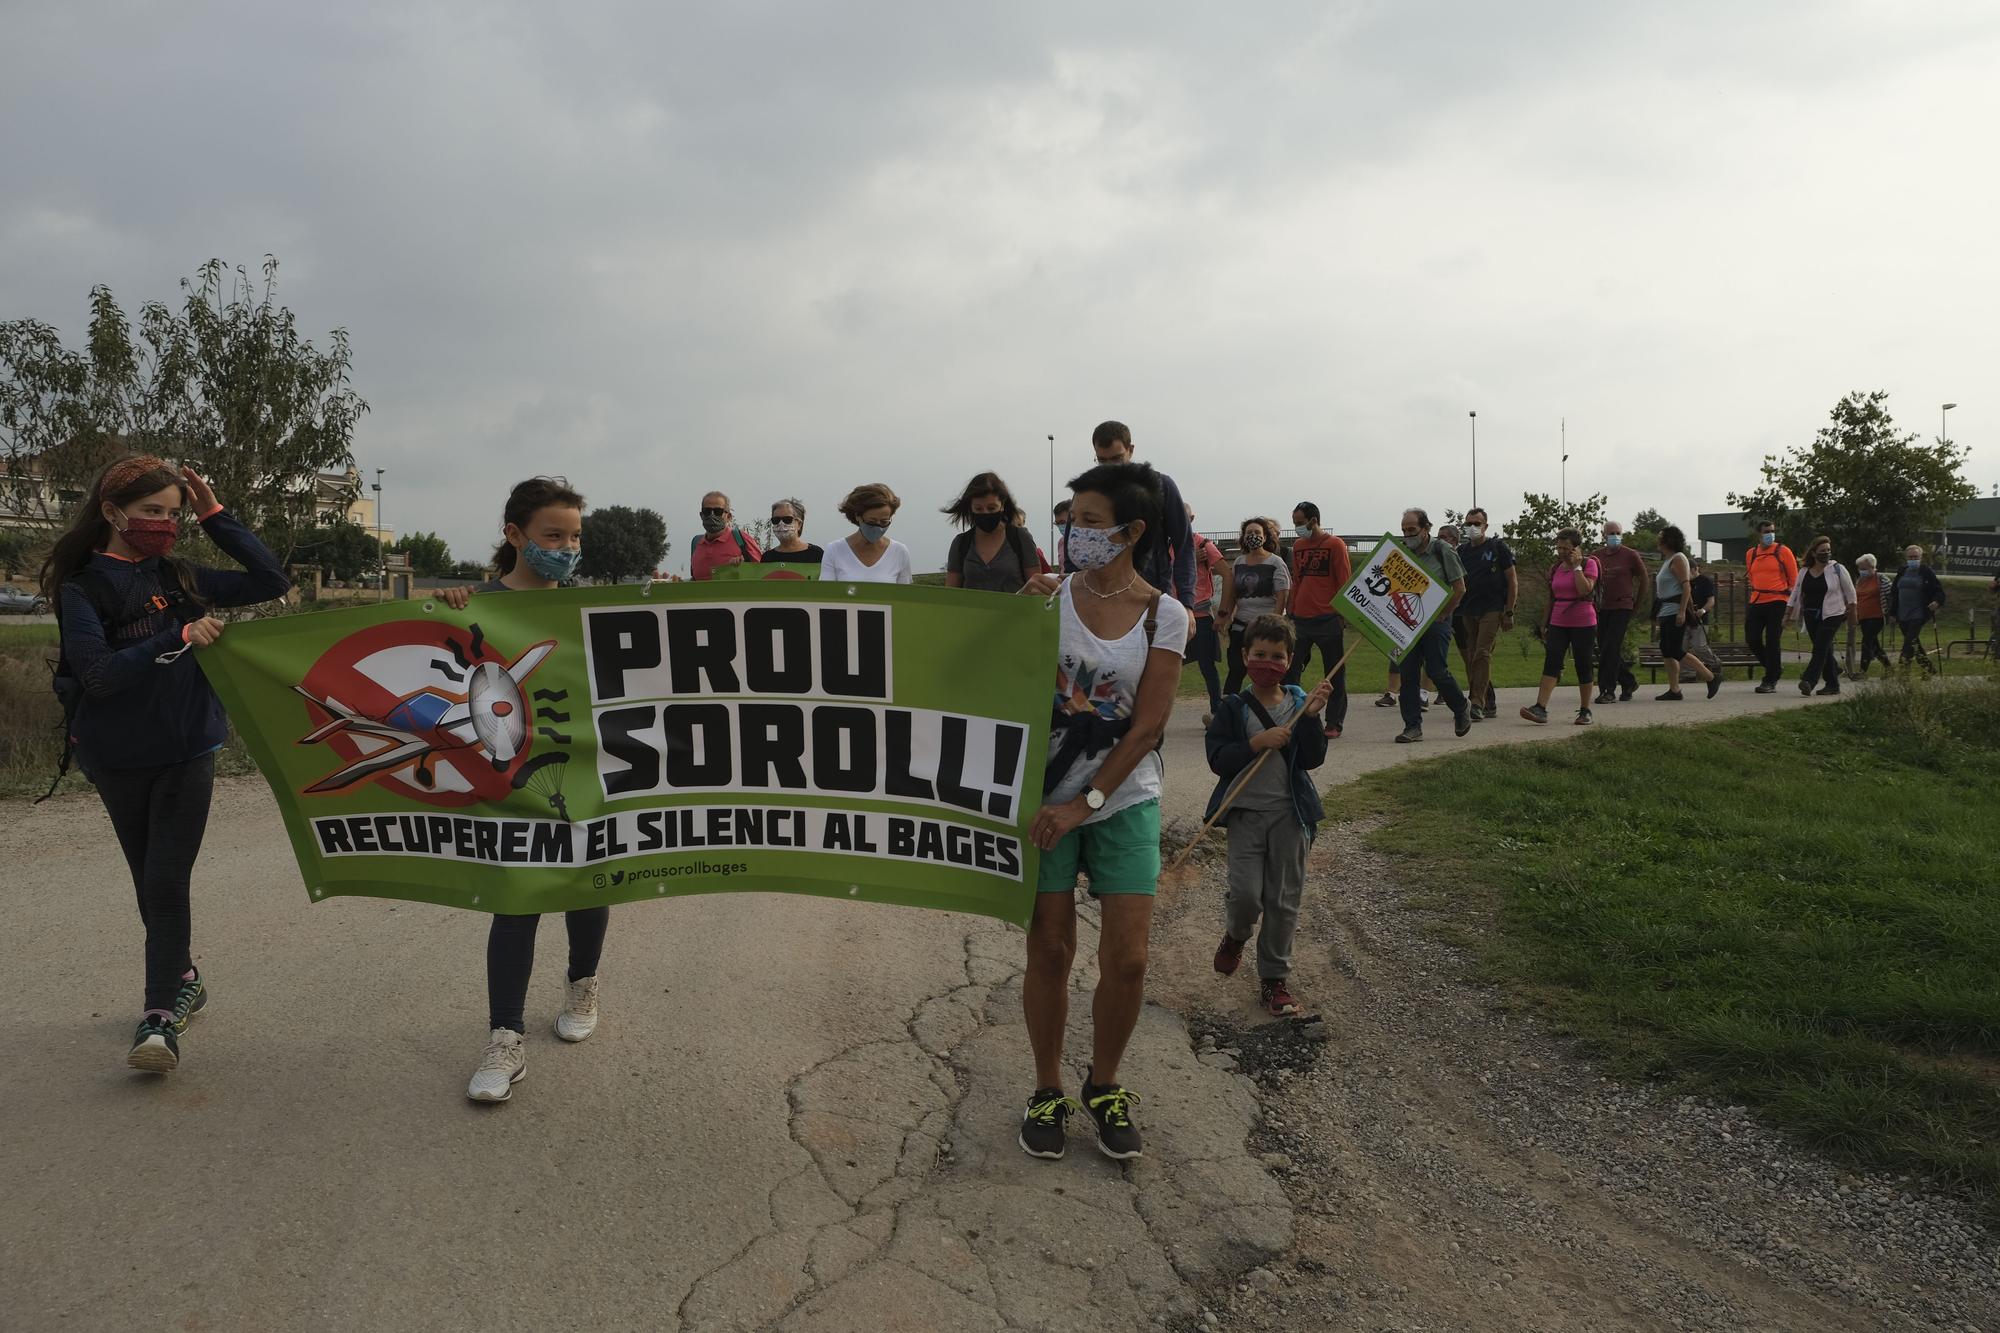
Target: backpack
{"points": [[1018, 540], [63, 682]]}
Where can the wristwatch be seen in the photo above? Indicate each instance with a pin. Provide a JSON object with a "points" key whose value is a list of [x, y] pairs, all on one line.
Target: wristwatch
{"points": [[1093, 798]]}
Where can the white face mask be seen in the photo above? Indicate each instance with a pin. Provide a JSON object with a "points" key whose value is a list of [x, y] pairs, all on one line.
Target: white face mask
{"points": [[1475, 533]]}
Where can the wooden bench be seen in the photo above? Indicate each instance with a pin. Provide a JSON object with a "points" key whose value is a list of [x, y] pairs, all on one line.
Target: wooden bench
{"points": [[1729, 654]]}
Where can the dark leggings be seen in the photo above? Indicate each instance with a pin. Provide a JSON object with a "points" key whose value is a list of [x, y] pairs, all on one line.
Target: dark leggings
{"points": [[1235, 681], [1580, 640], [510, 960], [1871, 644], [1201, 650], [160, 815], [1824, 666]]}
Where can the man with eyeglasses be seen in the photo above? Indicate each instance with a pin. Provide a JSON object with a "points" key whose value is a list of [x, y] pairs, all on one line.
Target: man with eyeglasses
{"points": [[721, 542]]}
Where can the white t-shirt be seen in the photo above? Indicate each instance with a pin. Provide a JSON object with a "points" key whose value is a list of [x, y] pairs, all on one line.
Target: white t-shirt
{"points": [[1104, 675], [842, 566]]}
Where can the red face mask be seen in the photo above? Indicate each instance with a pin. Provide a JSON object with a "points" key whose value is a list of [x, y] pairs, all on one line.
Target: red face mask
{"points": [[1267, 674], [151, 537]]}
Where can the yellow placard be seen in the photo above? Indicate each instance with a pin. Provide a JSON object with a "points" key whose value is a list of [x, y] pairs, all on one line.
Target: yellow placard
{"points": [[1405, 576]]}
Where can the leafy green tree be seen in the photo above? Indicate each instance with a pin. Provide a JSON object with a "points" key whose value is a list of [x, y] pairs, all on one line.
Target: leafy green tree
{"points": [[429, 556], [1532, 533], [21, 550], [1861, 481], [342, 550], [224, 384], [622, 543]]}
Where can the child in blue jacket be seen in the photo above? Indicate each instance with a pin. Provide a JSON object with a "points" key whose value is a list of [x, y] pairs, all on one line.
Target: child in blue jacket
{"points": [[1274, 816]]}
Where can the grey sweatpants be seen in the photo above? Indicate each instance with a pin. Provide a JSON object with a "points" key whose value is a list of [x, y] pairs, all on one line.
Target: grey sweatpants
{"points": [[1267, 877]]}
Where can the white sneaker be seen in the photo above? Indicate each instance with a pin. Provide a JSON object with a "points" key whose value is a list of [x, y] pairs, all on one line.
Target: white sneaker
{"points": [[578, 1018], [504, 1065]]}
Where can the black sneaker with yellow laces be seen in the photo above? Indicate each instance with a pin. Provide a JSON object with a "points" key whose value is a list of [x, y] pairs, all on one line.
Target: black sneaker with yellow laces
{"points": [[1042, 1133], [1109, 1107], [190, 1000]]}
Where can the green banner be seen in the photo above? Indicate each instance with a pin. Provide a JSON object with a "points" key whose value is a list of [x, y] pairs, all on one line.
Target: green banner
{"points": [[754, 572], [1392, 599], [542, 751]]}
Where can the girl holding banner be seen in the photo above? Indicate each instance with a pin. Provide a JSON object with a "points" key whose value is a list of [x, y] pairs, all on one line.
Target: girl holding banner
{"points": [[543, 529], [1118, 666], [142, 716]]}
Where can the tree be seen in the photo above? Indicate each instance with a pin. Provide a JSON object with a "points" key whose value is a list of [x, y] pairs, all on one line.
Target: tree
{"points": [[1650, 520], [1861, 482], [224, 384], [341, 549], [429, 556], [1532, 533], [622, 543], [21, 550]]}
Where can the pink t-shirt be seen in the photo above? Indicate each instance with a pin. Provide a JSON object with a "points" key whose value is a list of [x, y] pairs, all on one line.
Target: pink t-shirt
{"points": [[1566, 608]]}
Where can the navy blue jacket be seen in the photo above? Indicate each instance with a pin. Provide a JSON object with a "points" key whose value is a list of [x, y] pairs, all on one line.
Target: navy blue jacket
{"points": [[1229, 753], [138, 712]]}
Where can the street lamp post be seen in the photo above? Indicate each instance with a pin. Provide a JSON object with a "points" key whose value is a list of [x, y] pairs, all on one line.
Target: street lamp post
{"points": [[381, 548], [1565, 465], [1944, 434], [1054, 536], [1475, 458]]}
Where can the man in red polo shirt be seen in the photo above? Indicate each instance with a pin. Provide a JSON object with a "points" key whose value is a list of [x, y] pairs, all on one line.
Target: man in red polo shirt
{"points": [[1771, 569], [1621, 577], [721, 542]]}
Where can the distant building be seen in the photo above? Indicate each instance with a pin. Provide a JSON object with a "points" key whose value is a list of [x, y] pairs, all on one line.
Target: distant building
{"points": [[1731, 531], [340, 496]]}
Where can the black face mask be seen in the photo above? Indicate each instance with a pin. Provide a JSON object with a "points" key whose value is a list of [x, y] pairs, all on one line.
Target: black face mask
{"points": [[987, 522]]}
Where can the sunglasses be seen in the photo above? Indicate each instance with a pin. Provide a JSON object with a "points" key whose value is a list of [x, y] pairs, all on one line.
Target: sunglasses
{"points": [[714, 513]]}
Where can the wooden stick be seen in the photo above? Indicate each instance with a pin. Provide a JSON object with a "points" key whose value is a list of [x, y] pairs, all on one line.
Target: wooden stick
{"points": [[1229, 798]]}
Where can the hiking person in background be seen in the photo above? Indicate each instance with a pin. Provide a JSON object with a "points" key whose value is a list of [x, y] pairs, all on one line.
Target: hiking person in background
{"points": [[1259, 584], [1872, 596], [868, 554], [1571, 627], [1919, 595], [1170, 564], [1823, 597], [1203, 645], [1621, 573], [1701, 605], [1428, 656], [1771, 570], [721, 542], [1492, 586], [993, 553], [1670, 609], [1062, 526], [1320, 569]]}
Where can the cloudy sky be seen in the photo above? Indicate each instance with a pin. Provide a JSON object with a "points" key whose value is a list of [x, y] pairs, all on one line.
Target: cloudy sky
{"points": [[785, 248]]}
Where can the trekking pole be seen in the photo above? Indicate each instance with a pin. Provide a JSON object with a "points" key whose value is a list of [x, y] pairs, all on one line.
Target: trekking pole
{"points": [[1229, 798]]}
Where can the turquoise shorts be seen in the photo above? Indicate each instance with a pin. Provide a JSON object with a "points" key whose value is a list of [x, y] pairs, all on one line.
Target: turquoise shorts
{"points": [[1121, 854]]}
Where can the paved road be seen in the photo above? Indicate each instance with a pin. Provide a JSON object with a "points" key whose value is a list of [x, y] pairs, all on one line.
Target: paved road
{"points": [[797, 1113]]}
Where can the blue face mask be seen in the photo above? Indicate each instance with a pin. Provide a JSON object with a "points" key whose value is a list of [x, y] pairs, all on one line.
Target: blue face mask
{"points": [[1615, 539], [1913, 564], [558, 564], [1767, 539], [874, 531], [1092, 548]]}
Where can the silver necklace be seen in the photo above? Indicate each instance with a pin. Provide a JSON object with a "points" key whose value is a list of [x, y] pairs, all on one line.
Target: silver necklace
{"points": [[1107, 596]]}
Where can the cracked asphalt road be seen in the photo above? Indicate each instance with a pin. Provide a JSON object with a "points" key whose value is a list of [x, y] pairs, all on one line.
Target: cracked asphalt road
{"points": [[797, 1113]]}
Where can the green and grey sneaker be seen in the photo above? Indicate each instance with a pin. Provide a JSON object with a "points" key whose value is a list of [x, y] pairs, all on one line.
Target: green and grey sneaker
{"points": [[1042, 1133], [153, 1046], [190, 1000], [1109, 1107]]}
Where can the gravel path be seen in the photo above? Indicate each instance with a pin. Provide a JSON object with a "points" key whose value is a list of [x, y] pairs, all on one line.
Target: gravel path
{"points": [[1452, 1165]]}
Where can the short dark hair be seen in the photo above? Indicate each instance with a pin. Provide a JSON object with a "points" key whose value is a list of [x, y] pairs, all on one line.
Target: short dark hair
{"points": [[527, 497], [986, 483], [1476, 510], [1062, 507], [1272, 629], [1673, 538], [1134, 492], [1309, 509], [863, 498], [1110, 432]]}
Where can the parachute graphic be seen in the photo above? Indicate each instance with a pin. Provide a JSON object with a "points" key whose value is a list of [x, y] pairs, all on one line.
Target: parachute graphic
{"points": [[543, 775]]}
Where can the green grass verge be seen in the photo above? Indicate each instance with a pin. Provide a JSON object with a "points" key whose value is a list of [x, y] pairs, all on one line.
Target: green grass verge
{"points": [[1795, 912]]}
